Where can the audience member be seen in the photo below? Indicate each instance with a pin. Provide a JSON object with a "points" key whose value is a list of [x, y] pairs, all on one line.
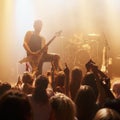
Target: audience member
{"points": [[27, 80], [63, 108], [86, 103], [113, 104], [14, 105], [106, 114], [4, 87], [40, 99], [89, 79], [116, 89], [76, 78], [60, 82]]}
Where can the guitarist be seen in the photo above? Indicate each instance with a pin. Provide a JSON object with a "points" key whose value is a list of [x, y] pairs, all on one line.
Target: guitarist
{"points": [[33, 43]]}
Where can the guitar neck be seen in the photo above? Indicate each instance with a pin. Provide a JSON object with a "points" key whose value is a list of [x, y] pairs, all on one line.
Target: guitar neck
{"points": [[57, 34], [50, 41], [47, 44]]}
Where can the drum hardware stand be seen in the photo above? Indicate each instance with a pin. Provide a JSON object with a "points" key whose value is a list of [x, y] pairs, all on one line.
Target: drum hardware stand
{"points": [[106, 59]]}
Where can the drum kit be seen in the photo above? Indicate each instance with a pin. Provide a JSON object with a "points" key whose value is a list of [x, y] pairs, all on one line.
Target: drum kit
{"points": [[84, 49]]}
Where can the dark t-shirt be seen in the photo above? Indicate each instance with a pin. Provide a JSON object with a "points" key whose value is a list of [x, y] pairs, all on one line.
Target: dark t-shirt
{"points": [[35, 43]]}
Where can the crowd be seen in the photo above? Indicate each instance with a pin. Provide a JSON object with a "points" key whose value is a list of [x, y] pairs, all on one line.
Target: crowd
{"points": [[62, 95]]}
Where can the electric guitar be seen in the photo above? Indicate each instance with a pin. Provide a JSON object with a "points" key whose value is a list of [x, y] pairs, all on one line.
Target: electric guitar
{"points": [[35, 59]]}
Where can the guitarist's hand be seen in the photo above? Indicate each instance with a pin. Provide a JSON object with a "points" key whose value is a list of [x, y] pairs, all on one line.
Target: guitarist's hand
{"points": [[34, 53], [45, 49]]}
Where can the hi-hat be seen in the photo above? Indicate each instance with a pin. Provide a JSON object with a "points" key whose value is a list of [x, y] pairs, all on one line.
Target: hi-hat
{"points": [[76, 36]]}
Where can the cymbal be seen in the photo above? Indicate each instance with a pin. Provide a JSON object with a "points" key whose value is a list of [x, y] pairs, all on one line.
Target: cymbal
{"points": [[75, 41], [77, 36], [93, 35]]}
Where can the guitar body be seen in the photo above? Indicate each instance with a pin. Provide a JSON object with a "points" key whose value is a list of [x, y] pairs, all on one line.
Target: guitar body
{"points": [[33, 60]]}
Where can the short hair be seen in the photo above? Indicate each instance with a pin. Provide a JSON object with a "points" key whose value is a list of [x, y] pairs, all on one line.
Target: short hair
{"points": [[116, 89], [63, 107], [4, 87], [42, 82], [106, 114], [37, 22], [27, 78], [40, 93]]}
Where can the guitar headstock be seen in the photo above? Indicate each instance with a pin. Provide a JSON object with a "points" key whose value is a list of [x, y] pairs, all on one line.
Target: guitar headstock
{"points": [[58, 33]]}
